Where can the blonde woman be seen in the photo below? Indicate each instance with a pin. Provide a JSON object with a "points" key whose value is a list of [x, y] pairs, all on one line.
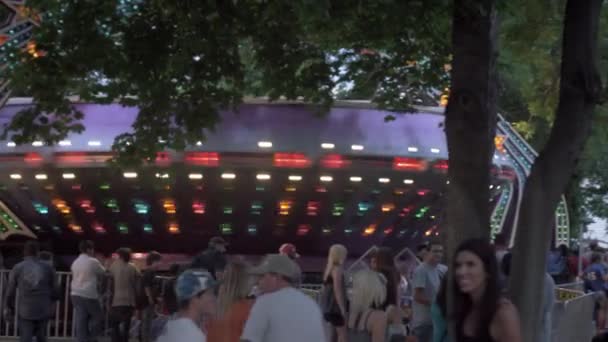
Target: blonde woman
{"points": [[367, 322], [233, 304], [333, 301]]}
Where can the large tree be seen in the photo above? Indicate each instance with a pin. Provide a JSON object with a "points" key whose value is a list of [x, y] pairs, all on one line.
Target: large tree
{"points": [[470, 122], [471, 118], [580, 91], [529, 91]]}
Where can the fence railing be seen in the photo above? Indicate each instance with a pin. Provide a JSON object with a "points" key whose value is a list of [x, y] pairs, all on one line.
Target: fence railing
{"points": [[573, 319], [60, 325], [577, 286]]}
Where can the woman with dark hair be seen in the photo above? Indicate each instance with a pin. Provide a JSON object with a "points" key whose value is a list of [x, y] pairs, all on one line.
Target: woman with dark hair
{"points": [[382, 262], [480, 312]]}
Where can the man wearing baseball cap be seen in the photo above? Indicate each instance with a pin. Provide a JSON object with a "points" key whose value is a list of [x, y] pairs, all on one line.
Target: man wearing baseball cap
{"points": [[195, 292], [213, 259], [290, 250], [282, 312]]}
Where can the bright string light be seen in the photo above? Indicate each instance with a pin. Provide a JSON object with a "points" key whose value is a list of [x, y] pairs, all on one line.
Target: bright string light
{"points": [[326, 178], [195, 176], [262, 176], [130, 174], [228, 176]]}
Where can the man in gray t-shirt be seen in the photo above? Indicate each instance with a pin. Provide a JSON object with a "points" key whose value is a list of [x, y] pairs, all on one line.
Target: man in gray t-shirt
{"points": [[426, 282]]}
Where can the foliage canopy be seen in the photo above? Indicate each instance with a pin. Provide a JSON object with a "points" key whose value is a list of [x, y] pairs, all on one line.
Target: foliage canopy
{"points": [[182, 61]]}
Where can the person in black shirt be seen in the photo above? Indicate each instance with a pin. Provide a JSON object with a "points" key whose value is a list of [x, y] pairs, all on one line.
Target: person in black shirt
{"points": [[169, 298], [213, 259], [150, 295]]}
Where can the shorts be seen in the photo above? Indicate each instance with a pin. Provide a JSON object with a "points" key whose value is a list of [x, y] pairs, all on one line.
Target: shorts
{"points": [[335, 319]]}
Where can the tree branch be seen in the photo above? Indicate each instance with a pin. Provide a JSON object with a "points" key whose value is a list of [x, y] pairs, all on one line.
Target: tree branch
{"points": [[580, 90]]}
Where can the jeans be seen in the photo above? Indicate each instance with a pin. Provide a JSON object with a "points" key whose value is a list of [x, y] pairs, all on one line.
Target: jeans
{"points": [[120, 322], [147, 316], [30, 328], [424, 332], [88, 318]]}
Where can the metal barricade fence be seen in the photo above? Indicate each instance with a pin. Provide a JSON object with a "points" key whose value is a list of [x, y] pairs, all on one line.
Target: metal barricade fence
{"points": [[313, 290], [577, 286], [60, 325], [573, 319]]}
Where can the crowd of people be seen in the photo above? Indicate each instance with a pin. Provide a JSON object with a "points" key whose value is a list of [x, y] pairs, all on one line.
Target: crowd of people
{"points": [[216, 298]]}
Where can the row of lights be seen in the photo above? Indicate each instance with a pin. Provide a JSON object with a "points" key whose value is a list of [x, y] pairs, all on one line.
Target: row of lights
{"points": [[324, 178], [199, 207], [261, 144], [42, 176], [295, 178], [355, 147], [62, 143], [226, 176], [227, 229], [305, 229]]}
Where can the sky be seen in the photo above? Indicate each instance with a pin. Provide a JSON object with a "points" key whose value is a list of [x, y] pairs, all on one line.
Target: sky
{"points": [[597, 230]]}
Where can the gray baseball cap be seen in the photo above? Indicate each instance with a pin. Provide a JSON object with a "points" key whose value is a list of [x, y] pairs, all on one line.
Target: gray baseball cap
{"points": [[278, 264]]}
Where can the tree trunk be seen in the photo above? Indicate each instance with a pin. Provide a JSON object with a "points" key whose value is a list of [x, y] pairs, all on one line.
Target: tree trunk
{"points": [[470, 119], [580, 90], [470, 124]]}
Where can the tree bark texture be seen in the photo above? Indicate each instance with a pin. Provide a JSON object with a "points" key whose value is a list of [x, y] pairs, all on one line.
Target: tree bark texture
{"points": [[470, 124], [580, 91], [470, 119]]}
